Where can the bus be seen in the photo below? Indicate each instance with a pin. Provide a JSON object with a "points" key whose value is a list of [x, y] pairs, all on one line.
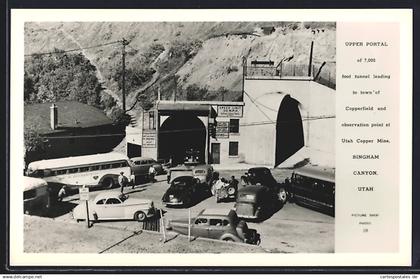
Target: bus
{"points": [[313, 186], [90, 170], [36, 196]]}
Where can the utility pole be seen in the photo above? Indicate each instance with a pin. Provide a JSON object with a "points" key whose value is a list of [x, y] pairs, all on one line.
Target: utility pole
{"points": [[310, 60], [124, 43]]}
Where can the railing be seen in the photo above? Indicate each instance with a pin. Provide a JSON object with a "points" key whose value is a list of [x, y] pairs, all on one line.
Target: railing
{"points": [[325, 77]]}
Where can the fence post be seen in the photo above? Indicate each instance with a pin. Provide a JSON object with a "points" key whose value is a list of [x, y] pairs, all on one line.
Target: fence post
{"points": [[189, 224], [162, 225]]}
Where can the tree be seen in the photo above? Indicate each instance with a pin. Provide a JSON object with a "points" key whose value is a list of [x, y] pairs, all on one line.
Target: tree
{"points": [[35, 144], [194, 92], [120, 117]]}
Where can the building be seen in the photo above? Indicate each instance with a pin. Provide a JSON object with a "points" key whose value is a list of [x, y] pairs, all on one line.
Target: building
{"points": [[70, 128], [282, 120]]}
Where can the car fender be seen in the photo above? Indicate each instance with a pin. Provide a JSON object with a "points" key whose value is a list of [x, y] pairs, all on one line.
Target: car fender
{"points": [[232, 236], [112, 176]]}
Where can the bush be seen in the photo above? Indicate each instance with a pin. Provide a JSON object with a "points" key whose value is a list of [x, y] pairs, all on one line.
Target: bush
{"points": [[119, 117], [195, 93], [61, 76]]}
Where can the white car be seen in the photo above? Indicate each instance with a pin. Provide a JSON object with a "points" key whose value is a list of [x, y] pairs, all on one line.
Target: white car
{"points": [[113, 205]]}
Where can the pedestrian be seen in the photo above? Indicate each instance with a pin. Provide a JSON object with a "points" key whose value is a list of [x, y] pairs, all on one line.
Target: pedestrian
{"points": [[62, 193], [152, 173], [245, 179], [122, 180]]}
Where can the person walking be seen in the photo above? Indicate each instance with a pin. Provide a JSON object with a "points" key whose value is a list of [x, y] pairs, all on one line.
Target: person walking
{"points": [[152, 173], [61, 194], [122, 180]]}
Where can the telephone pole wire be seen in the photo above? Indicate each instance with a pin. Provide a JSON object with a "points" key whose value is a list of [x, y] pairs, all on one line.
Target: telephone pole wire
{"points": [[124, 43]]}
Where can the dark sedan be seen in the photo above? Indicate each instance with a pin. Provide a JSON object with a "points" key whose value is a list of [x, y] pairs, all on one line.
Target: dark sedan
{"points": [[263, 176], [185, 191]]}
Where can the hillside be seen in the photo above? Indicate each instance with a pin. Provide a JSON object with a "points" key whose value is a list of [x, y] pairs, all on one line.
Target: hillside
{"points": [[181, 57]]}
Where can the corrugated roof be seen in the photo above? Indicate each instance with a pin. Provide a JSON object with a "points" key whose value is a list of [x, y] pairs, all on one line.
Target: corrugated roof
{"points": [[71, 114]]}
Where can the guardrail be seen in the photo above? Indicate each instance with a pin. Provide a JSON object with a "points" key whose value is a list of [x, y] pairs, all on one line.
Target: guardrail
{"points": [[326, 76]]}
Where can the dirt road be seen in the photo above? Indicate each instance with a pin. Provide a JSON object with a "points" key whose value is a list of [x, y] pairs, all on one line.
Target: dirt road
{"points": [[292, 229]]}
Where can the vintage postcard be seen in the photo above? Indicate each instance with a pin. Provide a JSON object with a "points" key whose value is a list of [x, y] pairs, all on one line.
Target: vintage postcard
{"points": [[211, 137]]}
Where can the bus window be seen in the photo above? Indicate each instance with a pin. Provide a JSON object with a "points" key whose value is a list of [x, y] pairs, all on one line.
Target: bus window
{"points": [[115, 165], [74, 170], [105, 167], [92, 168], [60, 172], [124, 164], [84, 169]]}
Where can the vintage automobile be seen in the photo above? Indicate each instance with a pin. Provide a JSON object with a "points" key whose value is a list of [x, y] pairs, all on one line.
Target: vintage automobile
{"points": [[185, 191], [114, 205], [177, 171], [140, 167], [224, 190], [36, 196], [263, 176], [313, 186], [203, 172], [221, 224], [255, 201]]}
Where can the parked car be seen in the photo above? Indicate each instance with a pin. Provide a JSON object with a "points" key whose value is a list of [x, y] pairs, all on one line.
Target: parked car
{"points": [[203, 172], [255, 201], [313, 186], [263, 176], [221, 224], [185, 191], [140, 167], [225, 190], [113, 205], [180, 170], [36, 196]]}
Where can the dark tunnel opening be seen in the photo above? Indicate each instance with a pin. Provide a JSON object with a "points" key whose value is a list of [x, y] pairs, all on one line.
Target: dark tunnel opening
{"points": [[289, 130], [180, 133]]}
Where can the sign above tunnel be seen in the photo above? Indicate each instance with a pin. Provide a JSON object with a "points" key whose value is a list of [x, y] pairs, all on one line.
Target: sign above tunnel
{"points": [[229, 111]]}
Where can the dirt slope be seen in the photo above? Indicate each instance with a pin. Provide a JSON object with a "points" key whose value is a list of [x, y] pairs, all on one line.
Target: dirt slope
{"points": [[217, 63]]}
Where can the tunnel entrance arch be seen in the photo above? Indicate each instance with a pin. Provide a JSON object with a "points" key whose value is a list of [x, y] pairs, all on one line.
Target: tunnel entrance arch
{"points": [[180, 133], [289, 130]]}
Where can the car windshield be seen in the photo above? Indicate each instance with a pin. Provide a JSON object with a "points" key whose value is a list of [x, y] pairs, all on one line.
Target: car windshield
{"points": [[181, 184]]}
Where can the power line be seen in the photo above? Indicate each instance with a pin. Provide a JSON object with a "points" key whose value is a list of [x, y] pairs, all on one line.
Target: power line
{"points": [[257, 106], [72, 50]]}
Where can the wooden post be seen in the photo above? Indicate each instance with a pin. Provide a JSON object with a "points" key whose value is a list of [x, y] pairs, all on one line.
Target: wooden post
{"points": [[189, 224], [310, 60], [124, 43], [87, 215], [162, 225]]}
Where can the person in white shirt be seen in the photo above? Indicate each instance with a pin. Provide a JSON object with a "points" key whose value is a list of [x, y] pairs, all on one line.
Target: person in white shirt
{"points": [[152, 173]]}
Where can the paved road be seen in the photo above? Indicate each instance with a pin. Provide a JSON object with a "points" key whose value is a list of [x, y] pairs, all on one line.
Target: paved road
{"points": [[291, 229]]}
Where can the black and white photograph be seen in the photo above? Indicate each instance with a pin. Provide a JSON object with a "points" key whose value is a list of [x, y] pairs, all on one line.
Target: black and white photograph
{"points": [[179, 137]]}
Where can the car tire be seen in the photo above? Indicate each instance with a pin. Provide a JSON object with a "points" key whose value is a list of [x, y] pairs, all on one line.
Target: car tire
{"points": [[108, 183], [140, 216], [282, 195], [231, 190]]}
